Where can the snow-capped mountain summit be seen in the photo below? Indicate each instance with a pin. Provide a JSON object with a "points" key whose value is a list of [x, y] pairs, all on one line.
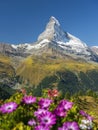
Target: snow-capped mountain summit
{"points": [[55, 39], [64, 40], [53, 31]]}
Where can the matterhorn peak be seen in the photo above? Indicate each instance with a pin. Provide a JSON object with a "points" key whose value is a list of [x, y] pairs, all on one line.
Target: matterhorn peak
{"points": [[53, 31], [54, 20]]}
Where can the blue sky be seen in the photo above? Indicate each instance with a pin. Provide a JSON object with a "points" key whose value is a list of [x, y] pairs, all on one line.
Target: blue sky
{"points": [[23, 20]]}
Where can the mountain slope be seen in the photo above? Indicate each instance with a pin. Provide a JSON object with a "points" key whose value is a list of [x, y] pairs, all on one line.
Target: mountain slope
{"points": [[7, 77], [46, 71], [6, 49]]}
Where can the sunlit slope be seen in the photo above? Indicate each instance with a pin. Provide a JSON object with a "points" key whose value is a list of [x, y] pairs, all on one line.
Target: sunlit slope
{"points": [[36, 68], [5, 66], [7, 74]]}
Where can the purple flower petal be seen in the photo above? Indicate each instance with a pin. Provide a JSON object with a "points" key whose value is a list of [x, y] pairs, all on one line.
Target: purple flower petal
{"points": [[72, 125], [90, 118], [63, 107], [32, 122], [44, 103], [66, 104], [39, 112], [59, 111], [40, 127], [29, 100], [69, 126], [83, 113], [86, 115]]}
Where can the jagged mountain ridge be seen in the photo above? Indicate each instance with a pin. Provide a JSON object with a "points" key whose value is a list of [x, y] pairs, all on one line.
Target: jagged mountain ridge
{"points": [[55, 39]]}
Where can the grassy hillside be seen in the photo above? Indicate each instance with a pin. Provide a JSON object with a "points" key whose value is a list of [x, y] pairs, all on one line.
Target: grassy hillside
{"points": [[5, 66], [37, 68], [65, 74]]}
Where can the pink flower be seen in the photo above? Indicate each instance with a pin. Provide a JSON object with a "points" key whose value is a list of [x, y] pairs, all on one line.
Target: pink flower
{"points": [[53, 93], [47, 119], [8, 107]]}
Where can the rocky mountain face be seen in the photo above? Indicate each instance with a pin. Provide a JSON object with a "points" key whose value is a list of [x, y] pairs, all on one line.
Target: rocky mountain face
{"points": [[13, 50], [7, 76], [6, 49], [53, 40], [95, 49], [53, 32]]}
